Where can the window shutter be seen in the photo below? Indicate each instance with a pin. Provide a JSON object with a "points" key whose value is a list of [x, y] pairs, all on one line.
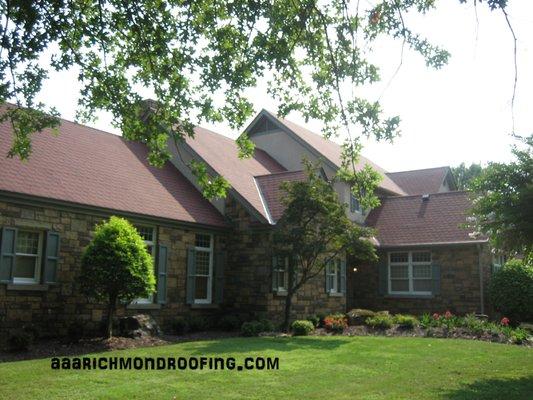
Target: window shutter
{"points": [[327, 284], [435, 274], [383, 279], [51, 257], [274, 275], [162, 261], [220, 261], [191, 274], [343, 276], [7, 253]]}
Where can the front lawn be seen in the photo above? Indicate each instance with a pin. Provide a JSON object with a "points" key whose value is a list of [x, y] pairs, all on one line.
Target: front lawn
{"points": [[309, 367]]}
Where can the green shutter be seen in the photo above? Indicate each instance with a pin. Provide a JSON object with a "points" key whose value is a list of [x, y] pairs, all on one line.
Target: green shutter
{"points": [[191, 275], [51, 257], [435, 274], [220, 261], [162, 261], [343, 276], [327, 283], [383, 279], [274, 275], [7, 254]]}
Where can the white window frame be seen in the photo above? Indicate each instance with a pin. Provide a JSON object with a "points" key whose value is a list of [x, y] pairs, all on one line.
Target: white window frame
{"points": [[336, 263], [38, 259], [410, 263], [498, 261], [354, 209], [209, 249], [285, 272], [149, 299]]}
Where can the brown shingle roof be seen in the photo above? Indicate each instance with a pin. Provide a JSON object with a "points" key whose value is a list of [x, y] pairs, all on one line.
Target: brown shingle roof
{"points": [[421, 181], [90, 167], [332, 152], [270, 187], [221, 153], [410, 220]]}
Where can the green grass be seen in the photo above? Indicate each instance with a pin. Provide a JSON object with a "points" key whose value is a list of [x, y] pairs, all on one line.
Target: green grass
{"points": [[310, 367]]}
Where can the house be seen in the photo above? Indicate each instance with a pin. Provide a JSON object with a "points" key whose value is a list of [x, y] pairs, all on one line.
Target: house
{"points": [[215, 257]]}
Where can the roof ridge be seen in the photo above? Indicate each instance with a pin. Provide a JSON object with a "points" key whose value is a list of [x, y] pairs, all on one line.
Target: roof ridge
{"points": [[451, 192], [421, 169], [278, 173]]}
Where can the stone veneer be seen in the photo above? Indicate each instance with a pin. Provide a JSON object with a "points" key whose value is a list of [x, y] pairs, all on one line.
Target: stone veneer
{"points": [[53, 307], [459, 290], [248, 279]]}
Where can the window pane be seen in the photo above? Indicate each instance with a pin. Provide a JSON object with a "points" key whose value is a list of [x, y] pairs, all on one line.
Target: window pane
{"points": [[422, 285], [400, 285], [202, 262], [399, 257], [399, 271], [421, 271], [25, 267], [27, 242], [146, 233], [281, 280], [422, 256], [203, 241], [354, 203], [201, 287]]}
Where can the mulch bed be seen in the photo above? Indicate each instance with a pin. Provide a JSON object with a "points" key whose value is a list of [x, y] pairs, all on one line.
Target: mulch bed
{"points": [[58, 348]]}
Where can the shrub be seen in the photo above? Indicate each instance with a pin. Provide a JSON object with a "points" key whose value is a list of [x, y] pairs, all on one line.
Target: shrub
{"points": [[511, 291], [321, 317], [19, 340], [180, 326], [335, 323], [405, 321], [198, 323], [268, 326], [229, 323], [358, 316], [302, 327], [380, 321], [314, 319], [252, 328], [519, 335], [426, 321], [473, 324]]}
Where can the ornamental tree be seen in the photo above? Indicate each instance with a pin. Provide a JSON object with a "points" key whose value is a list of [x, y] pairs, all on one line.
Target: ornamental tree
{"points": [[503, 202], [116, 266], [197, 58], [315, 230]]}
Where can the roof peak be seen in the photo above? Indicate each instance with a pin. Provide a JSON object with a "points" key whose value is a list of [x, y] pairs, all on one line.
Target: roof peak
{"points": [[420, 169]]}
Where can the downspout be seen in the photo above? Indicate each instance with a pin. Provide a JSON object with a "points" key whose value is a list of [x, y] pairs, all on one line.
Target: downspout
{"points": [[481, 291]]}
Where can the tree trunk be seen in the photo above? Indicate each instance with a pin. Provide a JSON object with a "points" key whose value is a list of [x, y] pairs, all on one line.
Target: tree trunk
{"points": [[110, 314], [288, 306]]}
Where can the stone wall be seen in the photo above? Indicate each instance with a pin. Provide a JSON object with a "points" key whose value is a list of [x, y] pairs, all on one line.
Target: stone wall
{"points": [[52, 308], [248, 280], [459, 290]]}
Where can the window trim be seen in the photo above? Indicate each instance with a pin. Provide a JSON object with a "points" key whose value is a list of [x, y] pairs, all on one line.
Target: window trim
{"points": [[209, 249], [335, 288], [353, 209], [38, 260], [285, 270], [410, 263], [497, 263]]}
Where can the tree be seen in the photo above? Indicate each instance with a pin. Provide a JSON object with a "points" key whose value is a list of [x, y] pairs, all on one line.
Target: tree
{"points": [[503, 201], [314, 231], [197, 58], [465, 175], [116, 266]]}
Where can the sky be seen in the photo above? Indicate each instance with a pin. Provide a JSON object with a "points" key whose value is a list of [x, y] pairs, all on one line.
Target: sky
{"points": [[461, 113]]}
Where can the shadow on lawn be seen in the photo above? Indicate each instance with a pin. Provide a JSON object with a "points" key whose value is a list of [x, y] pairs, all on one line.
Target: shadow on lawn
{"points": [[269, 343], [511, 389]]}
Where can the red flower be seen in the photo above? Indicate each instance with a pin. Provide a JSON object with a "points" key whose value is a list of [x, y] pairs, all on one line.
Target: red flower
{"points": [[505, 321], [436, 316], [448, 315]]}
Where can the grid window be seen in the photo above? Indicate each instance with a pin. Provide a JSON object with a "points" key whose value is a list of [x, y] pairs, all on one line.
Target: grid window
{"points": [[333, 276], [147, 234], [203, 241], [204, 268], [410, 272], [281, 270], [28, 257]]}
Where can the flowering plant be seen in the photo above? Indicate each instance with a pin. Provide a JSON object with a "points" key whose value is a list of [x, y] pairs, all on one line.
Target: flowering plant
{"points": [[505, 321], [436, 316], [448, 315], [335, 323]]}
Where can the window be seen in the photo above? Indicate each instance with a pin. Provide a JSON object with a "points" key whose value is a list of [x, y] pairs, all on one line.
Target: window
{"points": [[280, 278], [147, 234], [333, 276], [354, 204], [410, 272], [204, 268], [498, 261], [28, 252]]}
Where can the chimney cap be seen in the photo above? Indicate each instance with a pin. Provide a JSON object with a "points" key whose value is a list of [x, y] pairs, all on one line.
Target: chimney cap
{"points": [[425, 197]]}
